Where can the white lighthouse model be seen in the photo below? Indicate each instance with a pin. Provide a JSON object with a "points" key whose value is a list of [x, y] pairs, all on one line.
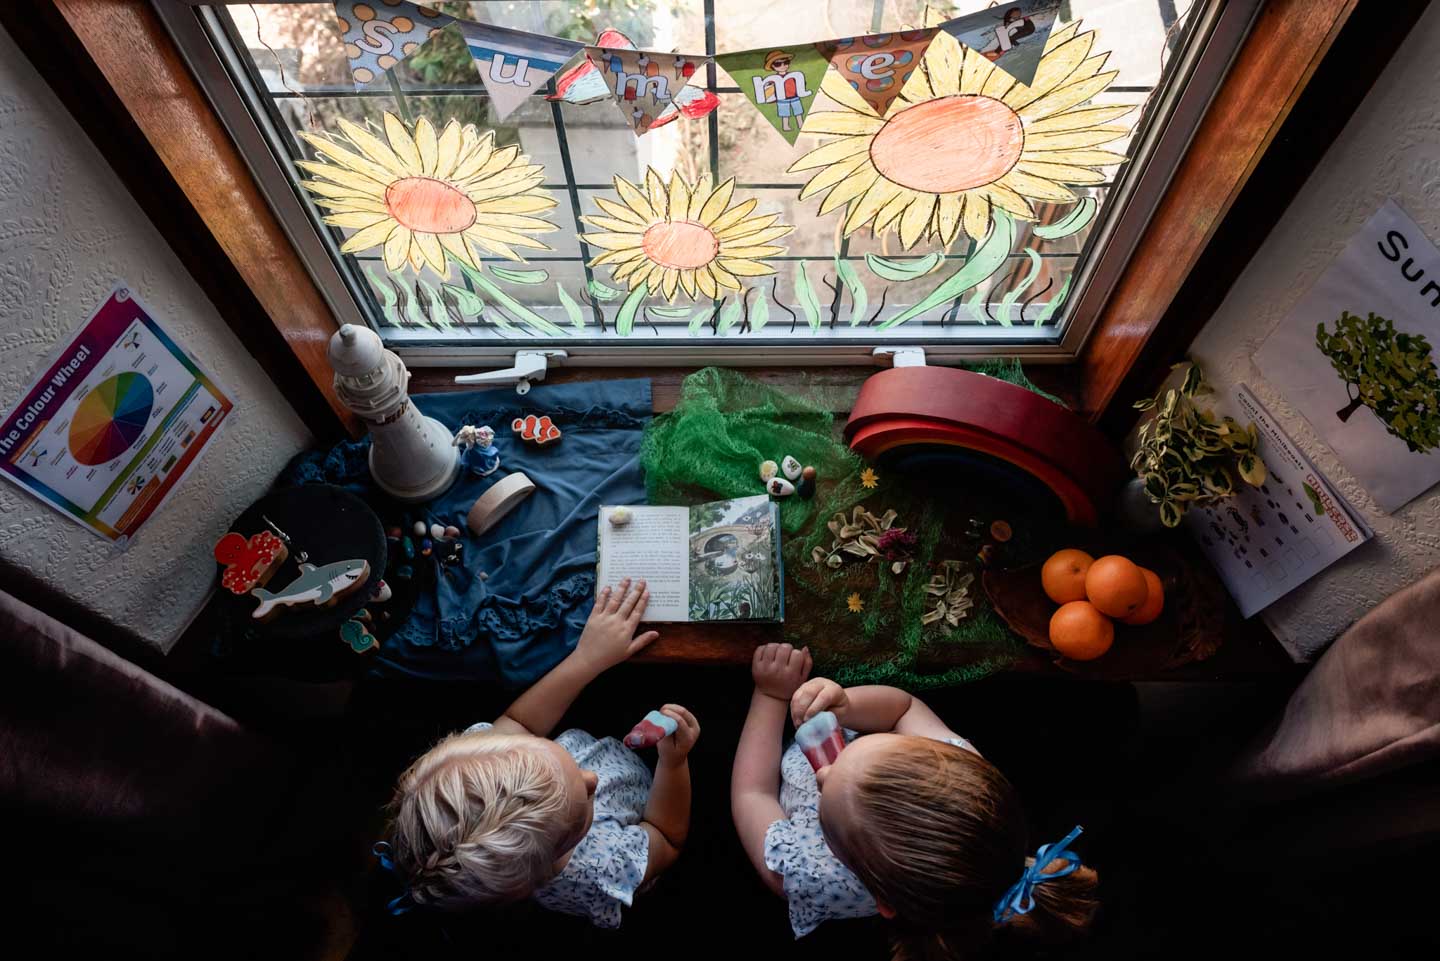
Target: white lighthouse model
{"points": [[412, 457]]}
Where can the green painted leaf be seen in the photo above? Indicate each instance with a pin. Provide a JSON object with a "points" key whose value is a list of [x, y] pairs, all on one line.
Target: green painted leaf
{"points": [[625, 320], [467, 301], [806, 295], [701, 317], [729, 314], [415, 310], [520, 276], [671, 313], [976, 308], [521, 313], [572, 309], [759, 310], [900, 271], [1073, 222], [1055, 304], [438, 318], [1008, 301], [988, 258], [601, 292], [387, 293], [859, 299]]}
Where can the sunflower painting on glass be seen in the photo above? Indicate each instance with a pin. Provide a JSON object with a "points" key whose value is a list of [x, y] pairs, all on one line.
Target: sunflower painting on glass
{"points": [[672, 237], [965, 139], [421, 194]]}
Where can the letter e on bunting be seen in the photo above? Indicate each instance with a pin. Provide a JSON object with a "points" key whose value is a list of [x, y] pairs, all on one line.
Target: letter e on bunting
{"points": [[779, 81], [1012, 36], [644, 83], [380, 33], [877, 66], [512, 64]]}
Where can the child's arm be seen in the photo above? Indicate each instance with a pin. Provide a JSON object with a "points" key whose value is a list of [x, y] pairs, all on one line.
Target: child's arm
{"points": [[868, 709], [778, 670], [608, 638], [667, 812]]}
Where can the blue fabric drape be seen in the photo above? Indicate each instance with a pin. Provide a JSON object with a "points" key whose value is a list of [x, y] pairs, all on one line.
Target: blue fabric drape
{"points": [[526, 615]]}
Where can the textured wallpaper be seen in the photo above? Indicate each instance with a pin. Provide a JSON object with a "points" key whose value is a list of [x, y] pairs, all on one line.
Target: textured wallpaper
{"points": [[1390, 148], [68, 231]]}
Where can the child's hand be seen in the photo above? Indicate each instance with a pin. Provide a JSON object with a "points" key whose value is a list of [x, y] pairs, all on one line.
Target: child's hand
{"points": [[609, 635], [779, 669], [816, 695], [676, 747]]}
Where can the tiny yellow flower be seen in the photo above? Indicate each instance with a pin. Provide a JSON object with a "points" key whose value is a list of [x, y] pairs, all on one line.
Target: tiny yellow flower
{"points": [[869, 479], [855, 604]]}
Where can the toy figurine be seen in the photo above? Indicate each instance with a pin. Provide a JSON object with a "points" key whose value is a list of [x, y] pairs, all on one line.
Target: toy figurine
{"points": [[477, 450], [805, 486], [249, 563], [652, 729], [539, 430]]}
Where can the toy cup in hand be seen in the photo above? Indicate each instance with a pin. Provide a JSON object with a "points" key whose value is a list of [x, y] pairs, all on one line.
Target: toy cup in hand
{"points": [[651, 730], [821, 740]]}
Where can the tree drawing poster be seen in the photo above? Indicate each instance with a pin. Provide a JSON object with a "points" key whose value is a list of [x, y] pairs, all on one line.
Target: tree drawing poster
{"points": [[1357, 356], [112, 422]]}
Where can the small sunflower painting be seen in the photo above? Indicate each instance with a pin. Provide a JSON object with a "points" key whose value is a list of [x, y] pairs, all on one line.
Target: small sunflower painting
{"points": [[963, 139], [673, 237], [421, 194]]}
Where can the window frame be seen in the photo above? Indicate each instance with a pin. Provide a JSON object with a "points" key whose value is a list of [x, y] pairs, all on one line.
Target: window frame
{"points": [[1181, 103]]}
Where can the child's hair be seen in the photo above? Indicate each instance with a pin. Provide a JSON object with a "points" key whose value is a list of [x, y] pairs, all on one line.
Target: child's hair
{"points": [[940, 837], [477, 820]]}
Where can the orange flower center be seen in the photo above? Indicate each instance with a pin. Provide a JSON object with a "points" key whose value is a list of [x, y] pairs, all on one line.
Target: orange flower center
{"points": [[953, 143], [430, 206], [681, 244]]}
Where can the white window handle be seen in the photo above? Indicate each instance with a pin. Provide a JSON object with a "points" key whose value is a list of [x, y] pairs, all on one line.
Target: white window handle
{"points": [[530, 365]]}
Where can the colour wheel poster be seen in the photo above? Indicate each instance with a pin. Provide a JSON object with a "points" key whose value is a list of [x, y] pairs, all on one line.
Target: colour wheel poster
{"points": [[112, 424]]}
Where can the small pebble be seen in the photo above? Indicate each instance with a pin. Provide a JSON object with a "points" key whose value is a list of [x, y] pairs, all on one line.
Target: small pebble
{"points": [[452, 531], [620, 516], [407, 548], [768, 469], [437, 532], [780, 487], [791, 467], [1000, 530], [484, 576], [420, 529]]}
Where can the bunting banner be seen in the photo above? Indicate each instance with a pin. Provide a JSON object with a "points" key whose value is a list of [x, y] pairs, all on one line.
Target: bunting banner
{"points": [[644, 83], [380, 34], [1012, 35], [514, 64], [878, 65], [779, 81]]}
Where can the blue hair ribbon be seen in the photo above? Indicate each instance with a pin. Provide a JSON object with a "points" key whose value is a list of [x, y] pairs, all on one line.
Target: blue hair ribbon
{"points": [[404, 902], [1020, 899]]}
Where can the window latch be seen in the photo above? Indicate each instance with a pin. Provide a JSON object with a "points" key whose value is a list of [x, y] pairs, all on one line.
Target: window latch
{"points": [[530, 366], [899, 356]]}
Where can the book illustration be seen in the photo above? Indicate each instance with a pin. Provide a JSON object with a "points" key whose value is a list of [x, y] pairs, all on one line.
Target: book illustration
{"points": [[733, 574], [1388, 371]]}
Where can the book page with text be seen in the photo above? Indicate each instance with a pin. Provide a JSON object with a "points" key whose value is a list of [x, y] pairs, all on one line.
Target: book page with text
{"points": [[654, 547]]}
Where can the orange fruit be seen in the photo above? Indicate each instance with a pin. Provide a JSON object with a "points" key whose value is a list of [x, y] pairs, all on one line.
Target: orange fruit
{"points": [[1080, 632], [1154, 600], [1116, 585], [1063, 575]]}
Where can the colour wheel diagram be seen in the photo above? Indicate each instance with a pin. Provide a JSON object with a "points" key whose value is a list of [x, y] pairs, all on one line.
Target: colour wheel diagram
{"points": [[110, 418]]}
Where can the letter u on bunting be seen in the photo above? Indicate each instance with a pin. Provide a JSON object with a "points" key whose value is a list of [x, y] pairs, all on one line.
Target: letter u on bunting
{"points": [[644, 83], [514, 64], [877, 66], [380, 33], [1012, 35], [779, 81]]}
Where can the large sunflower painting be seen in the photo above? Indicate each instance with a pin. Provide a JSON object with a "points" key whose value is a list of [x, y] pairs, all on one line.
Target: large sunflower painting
{"points": [[672, 237], [422, 194], [963, 139]]}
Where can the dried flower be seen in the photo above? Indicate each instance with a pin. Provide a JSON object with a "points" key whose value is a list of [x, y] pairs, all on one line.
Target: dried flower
{"points": [[855, 604], [950, 591], [869, 479]]}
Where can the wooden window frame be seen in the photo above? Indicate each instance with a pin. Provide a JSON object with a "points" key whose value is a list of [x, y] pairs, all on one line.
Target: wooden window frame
{"points": [[116, 68]]}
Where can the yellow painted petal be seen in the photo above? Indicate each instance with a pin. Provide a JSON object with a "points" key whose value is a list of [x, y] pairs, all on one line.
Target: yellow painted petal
{"points": [[716, 202], [655, 191], [1036, 188], [348, 161], [974, 71], [479, 238], [756, 236], [517, 222], [1074, 139], [525, 204], [513, 237], [947, 216], [342, 191], [749, 226], [723, 277], [397, 248], [879, 194], [352, 205], [698, 196], [636, 200], [373, 147], [628, 268], [512, 181], [476, 159], [622, 213], [838, 89], [751, 251], [915, 219], [669, 281], [434, 254], [1062, 56], [372, 236], [1062, 173], [977, 215], [611, 224], [998, 84], [835, 150], [455, 245], [891, 212], [1084, 158], [449, 150], [745, 268], [835, 173], [1009, 201], [733, 216], [1067, 96], [1088, 68], [499, 160], [942, 64], [677, 203], [1077, 119], [851, 187], [844, 124], [618, 256], [427, 143], [402, 143], [687, 283], [705, 281], [612, 241], [355, 221], [415, 256]]}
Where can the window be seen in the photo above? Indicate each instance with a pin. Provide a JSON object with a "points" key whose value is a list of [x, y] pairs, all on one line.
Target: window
{"points": [[832, 295]]}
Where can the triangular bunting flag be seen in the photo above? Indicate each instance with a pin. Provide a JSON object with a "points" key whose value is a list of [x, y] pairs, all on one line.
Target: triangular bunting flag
{"points": [[1011, 35], [877, 66], [514, 64], [779, 81], [644, 83], [378, 35]]}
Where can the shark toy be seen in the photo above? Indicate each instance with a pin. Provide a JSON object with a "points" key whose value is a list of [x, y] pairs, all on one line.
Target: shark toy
{"points": [[318, 585]]}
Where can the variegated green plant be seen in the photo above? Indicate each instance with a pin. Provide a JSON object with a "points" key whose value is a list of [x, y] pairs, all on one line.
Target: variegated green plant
{"points": [[1190, 457]]}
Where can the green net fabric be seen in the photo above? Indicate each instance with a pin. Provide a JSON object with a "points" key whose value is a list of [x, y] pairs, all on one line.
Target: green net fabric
{"points": [[863, 622]]}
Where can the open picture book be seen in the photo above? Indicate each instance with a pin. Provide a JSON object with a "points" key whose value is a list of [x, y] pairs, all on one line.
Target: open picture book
{"points": [[711, 562]]}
